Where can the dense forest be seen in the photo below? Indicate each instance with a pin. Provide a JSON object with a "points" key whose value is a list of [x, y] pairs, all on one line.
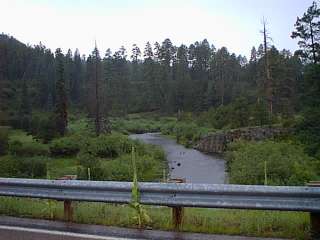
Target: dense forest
{"points": [[271, 86]]}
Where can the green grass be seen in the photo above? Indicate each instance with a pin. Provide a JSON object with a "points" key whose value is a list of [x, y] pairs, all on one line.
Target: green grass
{"points": [[19, 135], [81, 126], [218, 221], [59, 167]]}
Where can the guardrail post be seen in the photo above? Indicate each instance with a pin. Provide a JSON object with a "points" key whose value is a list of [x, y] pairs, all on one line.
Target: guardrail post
{"points": [[177, 212], [67, 204], [314, 217], [67, 210], [315, 225]]}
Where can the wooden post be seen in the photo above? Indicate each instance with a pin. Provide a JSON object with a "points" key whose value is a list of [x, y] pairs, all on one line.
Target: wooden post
{"points": [[67, 204], [177, 212], [177, 216], [315, 225], [314, 217], [67, 210]]}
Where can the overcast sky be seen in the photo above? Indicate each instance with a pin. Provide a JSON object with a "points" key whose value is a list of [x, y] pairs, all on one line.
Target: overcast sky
{"points": [[73, 24]]}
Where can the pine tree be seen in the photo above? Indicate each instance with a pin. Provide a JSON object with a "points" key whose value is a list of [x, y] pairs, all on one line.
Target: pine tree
{"points": [[25, 108], [96, 61], [61, 115], [307, 29]]}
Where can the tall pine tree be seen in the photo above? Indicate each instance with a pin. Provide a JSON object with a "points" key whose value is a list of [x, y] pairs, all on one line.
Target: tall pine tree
{"points": [[61, 115]]}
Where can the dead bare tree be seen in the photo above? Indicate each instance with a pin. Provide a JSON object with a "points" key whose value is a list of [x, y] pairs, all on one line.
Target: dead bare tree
{"points": [[268, 88]]}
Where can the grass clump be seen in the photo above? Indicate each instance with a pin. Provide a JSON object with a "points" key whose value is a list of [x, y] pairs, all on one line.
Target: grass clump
{"points": [[272, 163], [65, 146]]}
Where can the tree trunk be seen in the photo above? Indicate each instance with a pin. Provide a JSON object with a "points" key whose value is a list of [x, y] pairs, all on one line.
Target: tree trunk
{"points": [[268, 84], [97, 115], [312, 45]]}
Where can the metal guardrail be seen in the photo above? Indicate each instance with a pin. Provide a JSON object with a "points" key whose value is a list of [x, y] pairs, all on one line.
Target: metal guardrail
{"points": [[169, 194], [281, 198]]}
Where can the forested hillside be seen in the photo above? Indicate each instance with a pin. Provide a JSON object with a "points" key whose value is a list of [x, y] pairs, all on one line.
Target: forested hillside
{"points": [[270, 86], [161, 77]]}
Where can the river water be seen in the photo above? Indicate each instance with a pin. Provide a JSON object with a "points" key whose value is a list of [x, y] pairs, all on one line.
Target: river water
{"points": [[190, 164]]}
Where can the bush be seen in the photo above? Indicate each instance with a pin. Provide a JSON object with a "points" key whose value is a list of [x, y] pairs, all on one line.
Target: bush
{"points": [[109, 146], [150, 160], [168, 128], [286, 164], [27, 149], [88, 160], [308, 131], [34, 167], [3, 140], [42, 126], [187, 133], [120, 169], [9, 167], [66, 146]]}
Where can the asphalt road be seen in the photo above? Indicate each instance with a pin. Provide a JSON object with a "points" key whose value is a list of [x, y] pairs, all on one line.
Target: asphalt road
{"points": [[19, 233], [32, 229]]}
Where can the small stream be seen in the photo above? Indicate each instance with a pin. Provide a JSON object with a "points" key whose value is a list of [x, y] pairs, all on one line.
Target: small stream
{"points": [[187, 163]]}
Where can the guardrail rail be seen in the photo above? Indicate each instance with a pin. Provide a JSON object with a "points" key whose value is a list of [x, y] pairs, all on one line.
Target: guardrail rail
{"points": [[282, 198]]}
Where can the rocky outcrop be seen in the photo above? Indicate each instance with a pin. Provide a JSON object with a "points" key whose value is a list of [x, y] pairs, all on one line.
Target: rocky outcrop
{"points": [[217, 142]]}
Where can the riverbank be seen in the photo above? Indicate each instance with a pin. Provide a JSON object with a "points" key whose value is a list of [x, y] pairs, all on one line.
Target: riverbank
{"points": [[81, 153], [238, 222], [244, 149], [186, 163]]}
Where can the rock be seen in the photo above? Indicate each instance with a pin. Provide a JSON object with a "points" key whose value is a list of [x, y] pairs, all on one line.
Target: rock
{"points": [[217, 142]]}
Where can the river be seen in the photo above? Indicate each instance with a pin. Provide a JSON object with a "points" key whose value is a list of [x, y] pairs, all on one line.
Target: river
{"points": [[187, 163]]}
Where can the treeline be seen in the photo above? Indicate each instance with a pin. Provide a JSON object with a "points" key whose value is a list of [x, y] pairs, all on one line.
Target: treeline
{"points": [[160, 77]]}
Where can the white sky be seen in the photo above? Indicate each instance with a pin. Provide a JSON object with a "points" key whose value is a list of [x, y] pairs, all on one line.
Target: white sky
{"points": [[77, 23]]}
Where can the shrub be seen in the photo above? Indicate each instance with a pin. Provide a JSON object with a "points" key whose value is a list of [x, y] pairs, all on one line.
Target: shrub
{"points": [[120, 169], [187, 132], [150, 161], [8, 166], [109, 146], [3, 140], [168, 128], [286, 164], [27, 149], [66, 146], [88, 160], [42, 126], [308, 131], [34, 167]]}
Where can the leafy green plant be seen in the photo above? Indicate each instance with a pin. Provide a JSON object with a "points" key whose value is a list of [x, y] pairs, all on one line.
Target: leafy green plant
{"points": [[141, 214]]}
